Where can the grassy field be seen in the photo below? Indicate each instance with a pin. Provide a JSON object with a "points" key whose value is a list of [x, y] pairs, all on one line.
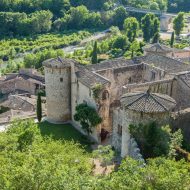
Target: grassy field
{"points": [[64, 132]]}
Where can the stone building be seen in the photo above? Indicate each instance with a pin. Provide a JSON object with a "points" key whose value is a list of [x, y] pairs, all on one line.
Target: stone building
{"points": [[25, 81], [160, 71]]}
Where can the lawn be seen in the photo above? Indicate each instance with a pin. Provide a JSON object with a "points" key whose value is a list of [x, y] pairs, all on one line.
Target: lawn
{"points": [[64, 132]]}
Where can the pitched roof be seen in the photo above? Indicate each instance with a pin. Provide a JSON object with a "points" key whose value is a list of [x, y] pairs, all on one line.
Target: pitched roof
{"points": [[148, 102], [167, 64], [89, 78], [111, 64], [36, 79], [185, 77], [58, 63], [157, 48]]}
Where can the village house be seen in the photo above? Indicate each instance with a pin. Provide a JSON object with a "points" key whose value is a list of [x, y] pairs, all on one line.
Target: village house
{"points": [[25, 81]]}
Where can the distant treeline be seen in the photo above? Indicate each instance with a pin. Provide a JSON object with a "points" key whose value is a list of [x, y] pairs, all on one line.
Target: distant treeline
{"points": [[22, 24], [57, 7]]}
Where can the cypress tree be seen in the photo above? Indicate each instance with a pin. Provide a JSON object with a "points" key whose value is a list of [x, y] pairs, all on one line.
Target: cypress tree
{"points": [[39, 108], [95, 54], [172, 40]]}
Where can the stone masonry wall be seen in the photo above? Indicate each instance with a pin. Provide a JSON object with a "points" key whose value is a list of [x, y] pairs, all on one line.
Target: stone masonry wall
{"points": [[181, 120], [58, 94], [121, 76], [162, 86]]}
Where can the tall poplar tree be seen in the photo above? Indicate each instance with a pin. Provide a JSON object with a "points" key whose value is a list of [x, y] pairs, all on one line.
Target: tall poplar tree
{"points": [[172, 40], [39, 108], [178, 23], [95, 53], [150, 26]]}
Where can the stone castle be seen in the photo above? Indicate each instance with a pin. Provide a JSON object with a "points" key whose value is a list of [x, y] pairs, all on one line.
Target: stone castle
{"points": [[140, 90]]}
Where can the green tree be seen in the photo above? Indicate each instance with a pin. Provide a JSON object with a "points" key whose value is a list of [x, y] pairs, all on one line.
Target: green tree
{"points": [[78, 16], [178, 23], [39, 108], [120, 42], [42, 163], [150, 26], [134, 48], [95, 53], [159, 173], [88, 117], [131, 27], [119, 16], [156, 26], [172, 40], [156, 141]]}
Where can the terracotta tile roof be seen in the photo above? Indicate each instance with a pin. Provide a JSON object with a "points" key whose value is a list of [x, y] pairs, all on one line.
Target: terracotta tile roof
{"points": [[148, 102]]}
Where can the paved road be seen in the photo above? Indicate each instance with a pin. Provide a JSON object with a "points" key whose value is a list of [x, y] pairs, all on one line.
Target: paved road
{"points": [[81, 46]]}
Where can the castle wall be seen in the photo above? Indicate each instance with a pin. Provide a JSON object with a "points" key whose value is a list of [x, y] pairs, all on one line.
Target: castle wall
{"points": [[58, 93], [162, 86], [82, 94], [121, 76], [181, 94], [151, 73], [118, 118], [181, 120]]}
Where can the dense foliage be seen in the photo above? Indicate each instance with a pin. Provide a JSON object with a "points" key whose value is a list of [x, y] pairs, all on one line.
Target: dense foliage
{"points": [[179, 23], [157, 174], [32, 161], [88, 117], [156, 141], [149, 4], [150, 26], [43, 21], [28, 161]]}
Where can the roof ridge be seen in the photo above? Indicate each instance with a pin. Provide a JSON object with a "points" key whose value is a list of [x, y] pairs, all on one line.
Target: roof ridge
{"points": [[136, 100], [155, 94], [160, 103]]}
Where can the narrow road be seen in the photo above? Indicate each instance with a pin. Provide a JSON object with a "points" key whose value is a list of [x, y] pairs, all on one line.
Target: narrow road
{"points": [[81, 46]]}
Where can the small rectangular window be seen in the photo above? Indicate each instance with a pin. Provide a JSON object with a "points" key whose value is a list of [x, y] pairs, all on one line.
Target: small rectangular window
{"points": [[61, 79], [119, 130]]}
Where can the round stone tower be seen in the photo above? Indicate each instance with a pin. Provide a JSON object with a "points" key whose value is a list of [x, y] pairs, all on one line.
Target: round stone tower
{"points": [[58, 89], [144, 107]]}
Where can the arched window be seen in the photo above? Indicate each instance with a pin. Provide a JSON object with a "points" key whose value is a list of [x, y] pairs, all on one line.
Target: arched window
{"points": [[105, 95]]}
